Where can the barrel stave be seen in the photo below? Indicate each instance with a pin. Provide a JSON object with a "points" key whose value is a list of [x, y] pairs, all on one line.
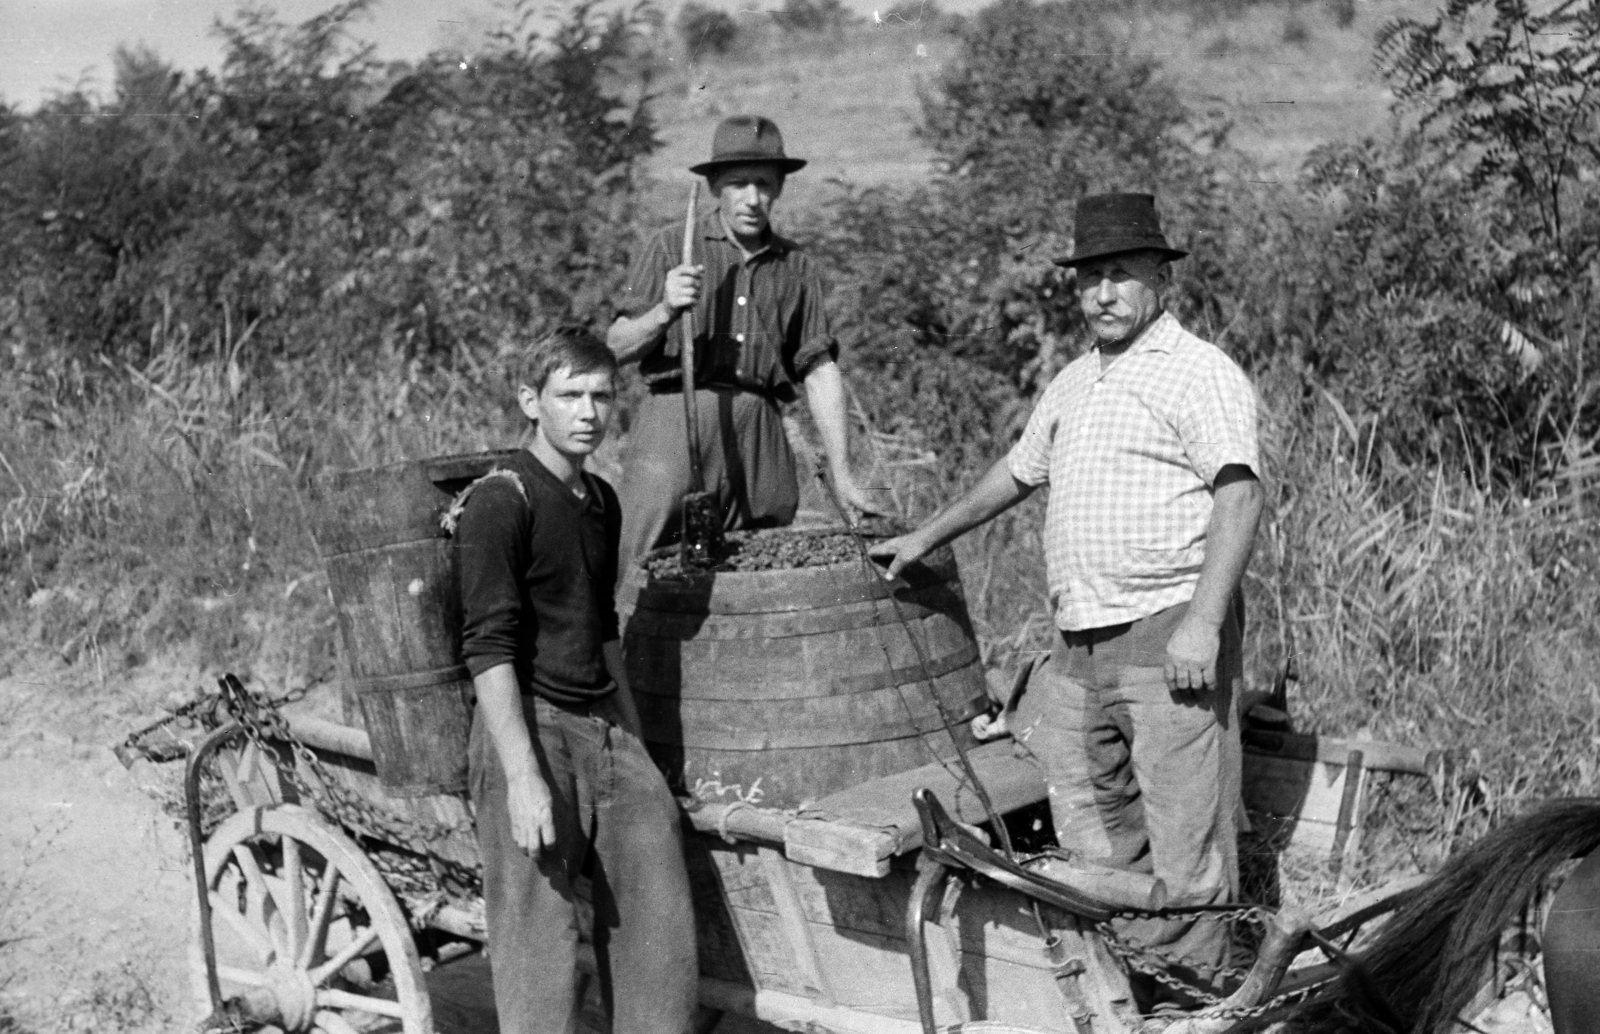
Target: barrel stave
{"points": [[808, 680]]}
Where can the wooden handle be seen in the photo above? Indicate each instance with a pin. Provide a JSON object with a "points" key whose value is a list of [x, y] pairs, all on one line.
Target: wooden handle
{"points": [[686, 354]]}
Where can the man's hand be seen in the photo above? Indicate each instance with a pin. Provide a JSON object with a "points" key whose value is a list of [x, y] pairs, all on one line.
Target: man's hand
{"points": [[1192, 656], [682, 288], [986, 727], [533, 824], [856, 500], [899, 551]]}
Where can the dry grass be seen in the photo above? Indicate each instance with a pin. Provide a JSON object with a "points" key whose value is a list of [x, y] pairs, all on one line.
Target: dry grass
{"points": [[1428, 608]]}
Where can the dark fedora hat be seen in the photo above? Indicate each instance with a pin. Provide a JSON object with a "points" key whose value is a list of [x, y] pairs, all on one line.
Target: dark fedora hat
{"points": [[747, 138], [1109, 224]]}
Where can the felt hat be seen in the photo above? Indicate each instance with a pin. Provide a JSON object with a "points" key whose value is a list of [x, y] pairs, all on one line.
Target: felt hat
{"points": [[747, 138], [1109, 224]]}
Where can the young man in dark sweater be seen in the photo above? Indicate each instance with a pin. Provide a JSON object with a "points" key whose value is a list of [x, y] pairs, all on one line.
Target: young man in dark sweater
{"points": [[560, 780]]}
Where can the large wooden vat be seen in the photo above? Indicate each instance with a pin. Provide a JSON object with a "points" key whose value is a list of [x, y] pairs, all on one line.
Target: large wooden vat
{"points": [[393, 578], [781, 686]]}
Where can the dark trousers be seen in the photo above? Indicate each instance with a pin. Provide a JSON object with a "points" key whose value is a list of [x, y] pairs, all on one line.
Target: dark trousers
{"points": [[1141, 777], [745, 458], [616, 821]]}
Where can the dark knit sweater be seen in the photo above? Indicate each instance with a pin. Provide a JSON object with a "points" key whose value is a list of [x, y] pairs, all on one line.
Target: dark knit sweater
{"points": [[536, 581]]}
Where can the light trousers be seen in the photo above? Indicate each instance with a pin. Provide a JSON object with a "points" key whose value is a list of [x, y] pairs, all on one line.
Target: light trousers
{"points": [[1140, 776]]}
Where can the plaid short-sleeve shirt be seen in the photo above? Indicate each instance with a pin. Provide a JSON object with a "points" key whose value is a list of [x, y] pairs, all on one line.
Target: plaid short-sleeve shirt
{"points": [[1130, 454]]}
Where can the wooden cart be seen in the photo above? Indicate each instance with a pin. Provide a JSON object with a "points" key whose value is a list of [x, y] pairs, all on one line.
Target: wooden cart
{"points": [[861, 913], [872, 909]]}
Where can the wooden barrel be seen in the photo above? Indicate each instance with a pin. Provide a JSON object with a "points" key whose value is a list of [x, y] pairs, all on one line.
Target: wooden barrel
{"points": [[789, 685], [392, 574]]}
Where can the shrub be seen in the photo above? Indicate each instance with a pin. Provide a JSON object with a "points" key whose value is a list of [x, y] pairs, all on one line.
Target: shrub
{"points": [[433, 208], [959, 271], [925, 14], [705, 30], [1296, 32], [813, 16]]}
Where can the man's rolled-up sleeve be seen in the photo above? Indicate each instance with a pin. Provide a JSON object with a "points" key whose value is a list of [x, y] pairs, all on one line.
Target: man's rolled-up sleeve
{"points": [[1029, 459], [647, 277], [810, 341], [489, 555], [1217, 421]]}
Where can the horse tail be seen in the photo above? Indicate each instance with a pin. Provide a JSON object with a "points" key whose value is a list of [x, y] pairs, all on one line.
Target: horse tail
{"points": [[1428, 961]]}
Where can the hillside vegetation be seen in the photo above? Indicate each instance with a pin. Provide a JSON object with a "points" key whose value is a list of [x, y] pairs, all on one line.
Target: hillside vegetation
{"points": [[312, 260]]}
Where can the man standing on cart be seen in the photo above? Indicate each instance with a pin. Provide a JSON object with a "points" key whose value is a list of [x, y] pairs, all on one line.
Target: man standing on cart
{"points": [[560, 780], [761, 333], [1148, 444]]}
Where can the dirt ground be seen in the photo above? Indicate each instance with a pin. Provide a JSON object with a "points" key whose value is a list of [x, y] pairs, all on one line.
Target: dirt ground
{"points": [[95, 906]]}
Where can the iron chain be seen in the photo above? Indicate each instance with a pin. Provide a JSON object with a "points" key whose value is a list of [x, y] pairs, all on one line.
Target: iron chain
{"points": [[415, 870]]}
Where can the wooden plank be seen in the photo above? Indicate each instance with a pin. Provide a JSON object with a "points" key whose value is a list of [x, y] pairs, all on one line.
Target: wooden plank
{"points": [[870, 971], [1384, 757], [331, 736], [799, 1012], [739, 820], [1298, 834], [886, 803], [1008, 975], [1314, 806], [767, 956], [718, 943], [839, 846], [794, 777], [1289, 787], [854, 905], [802, 935]]}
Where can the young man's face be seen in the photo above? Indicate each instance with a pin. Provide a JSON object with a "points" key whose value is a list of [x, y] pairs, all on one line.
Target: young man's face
{"points": [[573, 410], [1120, 295], [746, 193]]}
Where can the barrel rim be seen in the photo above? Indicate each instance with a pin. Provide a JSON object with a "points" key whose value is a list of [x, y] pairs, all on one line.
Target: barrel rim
{"points": [[429, 463], [792, 588]]}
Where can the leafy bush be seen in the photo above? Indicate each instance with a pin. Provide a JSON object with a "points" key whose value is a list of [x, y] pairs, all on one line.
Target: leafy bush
{"points": [[813, 16], [705, 30], [1446, 278], [319, 262], [953, 282], [343, 205], [924, 14]]}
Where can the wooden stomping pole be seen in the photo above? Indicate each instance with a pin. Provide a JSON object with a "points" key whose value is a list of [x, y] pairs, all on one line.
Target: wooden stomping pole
{"points": [[701, 516]]}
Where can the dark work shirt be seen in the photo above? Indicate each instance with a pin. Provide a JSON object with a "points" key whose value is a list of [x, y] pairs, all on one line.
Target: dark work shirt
{"points": [[759, 324], [536, 581]]}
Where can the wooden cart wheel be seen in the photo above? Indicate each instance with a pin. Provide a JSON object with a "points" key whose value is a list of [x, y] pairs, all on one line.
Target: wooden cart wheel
{"points": [[308, 936]]}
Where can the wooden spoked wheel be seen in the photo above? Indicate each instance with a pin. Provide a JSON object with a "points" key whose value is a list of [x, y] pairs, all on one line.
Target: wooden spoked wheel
{"points": [[308, 937]]}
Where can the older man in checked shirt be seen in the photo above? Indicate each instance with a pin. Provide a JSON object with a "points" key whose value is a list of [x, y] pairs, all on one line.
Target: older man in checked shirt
{"points": [[1148, 443]]}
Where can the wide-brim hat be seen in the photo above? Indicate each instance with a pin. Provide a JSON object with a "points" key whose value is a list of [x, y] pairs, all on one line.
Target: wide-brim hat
{"points": [[747, 138], [1110, 224]]}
